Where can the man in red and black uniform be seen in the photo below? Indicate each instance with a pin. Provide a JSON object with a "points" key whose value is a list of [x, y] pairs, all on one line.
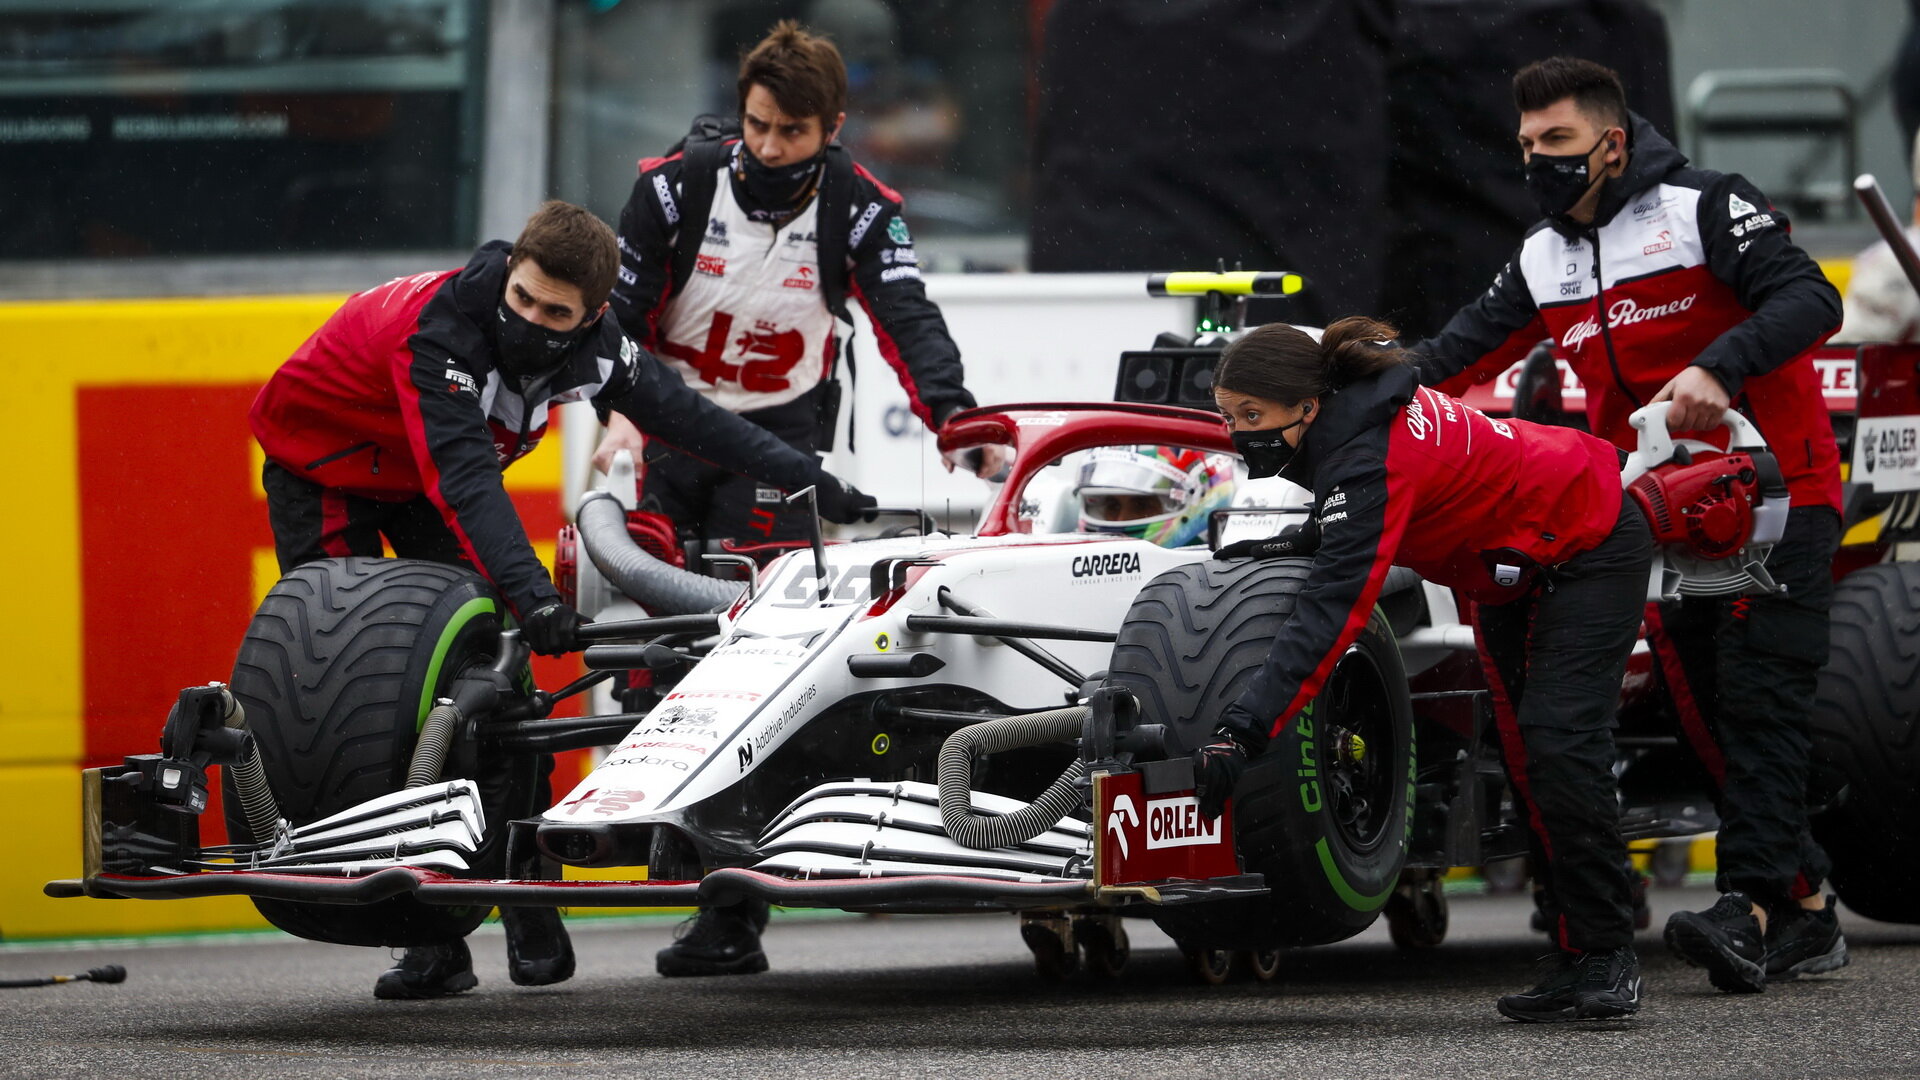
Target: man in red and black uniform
{"points": [[737, 255], [398, 416], [1661, 282]]}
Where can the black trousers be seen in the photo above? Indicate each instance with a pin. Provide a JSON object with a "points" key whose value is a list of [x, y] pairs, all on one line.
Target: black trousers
{"points": [[707, 503], [313, 522], [1554, 660], [1742, 674]]}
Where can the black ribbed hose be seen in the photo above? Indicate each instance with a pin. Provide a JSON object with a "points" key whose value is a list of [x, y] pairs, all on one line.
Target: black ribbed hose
{"points": [[1061, 797]]}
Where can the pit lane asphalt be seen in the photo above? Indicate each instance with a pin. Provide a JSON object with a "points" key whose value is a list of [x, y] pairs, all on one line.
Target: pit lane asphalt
{"points": [[946, 997]]}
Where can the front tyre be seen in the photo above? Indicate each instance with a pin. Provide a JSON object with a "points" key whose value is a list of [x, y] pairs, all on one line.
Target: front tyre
{"points": [[1325, 813], [339, 668]]}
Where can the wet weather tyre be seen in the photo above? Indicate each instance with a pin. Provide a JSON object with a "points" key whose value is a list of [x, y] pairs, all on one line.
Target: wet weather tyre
{"points": [[1866, 735], [1325, 813], [340, 665]]}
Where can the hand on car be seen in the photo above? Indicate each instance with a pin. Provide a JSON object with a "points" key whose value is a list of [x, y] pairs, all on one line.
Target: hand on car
{"points": [[1216, 771], [1294, 541], [621, 435], [552, 629], [1699, 400], [841, 502]]}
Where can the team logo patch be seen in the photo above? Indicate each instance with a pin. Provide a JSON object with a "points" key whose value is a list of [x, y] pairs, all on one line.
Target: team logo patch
{"points": [[459, 380], [710, 265], [1739, 207], [897, 232]]}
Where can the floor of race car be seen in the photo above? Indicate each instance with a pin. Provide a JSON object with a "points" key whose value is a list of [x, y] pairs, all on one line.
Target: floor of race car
{"points": [[917, 996]]}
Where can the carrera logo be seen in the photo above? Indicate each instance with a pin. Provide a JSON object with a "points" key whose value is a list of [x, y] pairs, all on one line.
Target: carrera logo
{"points": [[802, 279], [711, 265], [1622, 313], [1121, 562], [1177, 823]]}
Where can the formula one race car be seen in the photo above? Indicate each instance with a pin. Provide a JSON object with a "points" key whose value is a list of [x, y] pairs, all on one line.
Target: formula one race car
{"points": [[921, 722]]}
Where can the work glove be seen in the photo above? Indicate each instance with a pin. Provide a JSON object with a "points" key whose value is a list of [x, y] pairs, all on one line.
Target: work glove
{"points": [[1216, 771], [841, 502], [1294, 541], [552, 629]]}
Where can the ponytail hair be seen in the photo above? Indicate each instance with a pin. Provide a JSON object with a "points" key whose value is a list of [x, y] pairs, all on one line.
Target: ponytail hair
{"points": [[1282, 363]]}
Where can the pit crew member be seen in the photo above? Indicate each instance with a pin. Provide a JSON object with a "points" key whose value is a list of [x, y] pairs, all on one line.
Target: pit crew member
{"points": [[1528, 521], [737, 255], [398, 416], [1662, 282]]}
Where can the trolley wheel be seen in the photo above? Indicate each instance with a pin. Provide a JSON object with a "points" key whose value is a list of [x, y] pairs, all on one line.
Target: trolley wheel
{"points": [[1054, 957], [1104, 946], [1417, 911], [1264, 964], [1211, 966]]}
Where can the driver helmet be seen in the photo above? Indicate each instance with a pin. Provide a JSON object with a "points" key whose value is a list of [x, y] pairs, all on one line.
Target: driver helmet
{"points": [[1161, 494]]}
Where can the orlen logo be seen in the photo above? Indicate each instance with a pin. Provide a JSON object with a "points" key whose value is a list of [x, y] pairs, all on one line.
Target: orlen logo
{"points": [[1177, 823], [1122, 562], [1622, 313]]}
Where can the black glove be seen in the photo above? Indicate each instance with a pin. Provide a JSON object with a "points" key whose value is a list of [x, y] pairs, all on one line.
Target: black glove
{"points": [[1216, 771], [1294, 541], [841, 502], [553, 629]]}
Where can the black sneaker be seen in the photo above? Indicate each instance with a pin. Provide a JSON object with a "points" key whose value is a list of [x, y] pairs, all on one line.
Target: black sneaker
{"points": [[1581, 986], [1805, 943], [718, 941], [428, 971], [539, 953], [1724, 939]]}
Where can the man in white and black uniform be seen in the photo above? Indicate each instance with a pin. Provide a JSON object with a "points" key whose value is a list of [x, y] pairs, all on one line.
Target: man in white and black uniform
{"points": [[737, 254], [788, 229]]}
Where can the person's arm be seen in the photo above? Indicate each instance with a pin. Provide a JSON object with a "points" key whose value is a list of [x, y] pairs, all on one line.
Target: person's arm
{"points": [[453, 447], [1484, 338], [645, 282], [1880, 304], [662, 405], [1358, 539], [908, 328], [1748, 247], [646, 239]]}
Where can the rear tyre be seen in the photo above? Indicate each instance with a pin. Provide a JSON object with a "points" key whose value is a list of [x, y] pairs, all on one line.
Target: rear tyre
{"points": [[1866, 736], [339, 667], [1326, 812]]}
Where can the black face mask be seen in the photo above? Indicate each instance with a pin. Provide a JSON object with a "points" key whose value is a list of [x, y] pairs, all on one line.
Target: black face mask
{"points": [[781, 188], [1558, 181], [1266, 451], [528, 350]]}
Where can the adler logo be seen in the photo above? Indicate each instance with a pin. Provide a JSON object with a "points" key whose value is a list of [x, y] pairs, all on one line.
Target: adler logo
{"points": [[1622, 313], [1122, 562]]}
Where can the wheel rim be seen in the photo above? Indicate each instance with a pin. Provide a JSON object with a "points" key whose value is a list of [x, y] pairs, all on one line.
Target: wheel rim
{"points": [[1356, 756]]}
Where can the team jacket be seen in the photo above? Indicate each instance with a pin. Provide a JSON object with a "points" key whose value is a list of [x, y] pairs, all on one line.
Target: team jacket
{"points": [[1681, 266], [1406, 475], [884, 275], [397, 396]]}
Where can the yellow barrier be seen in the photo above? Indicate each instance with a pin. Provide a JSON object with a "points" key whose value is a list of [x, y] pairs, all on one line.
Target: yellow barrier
{"points": [[138, 549]]}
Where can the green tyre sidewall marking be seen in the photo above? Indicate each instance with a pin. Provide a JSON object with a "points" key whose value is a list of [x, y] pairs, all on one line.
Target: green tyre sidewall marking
{"points": [[465, 614]]}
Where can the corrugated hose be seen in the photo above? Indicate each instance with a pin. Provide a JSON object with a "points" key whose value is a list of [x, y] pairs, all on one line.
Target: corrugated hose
{"points": [[973, 829]]}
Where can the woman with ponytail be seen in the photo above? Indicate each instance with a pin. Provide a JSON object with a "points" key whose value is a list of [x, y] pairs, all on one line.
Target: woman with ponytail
{"points": [[1528, 522]]}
